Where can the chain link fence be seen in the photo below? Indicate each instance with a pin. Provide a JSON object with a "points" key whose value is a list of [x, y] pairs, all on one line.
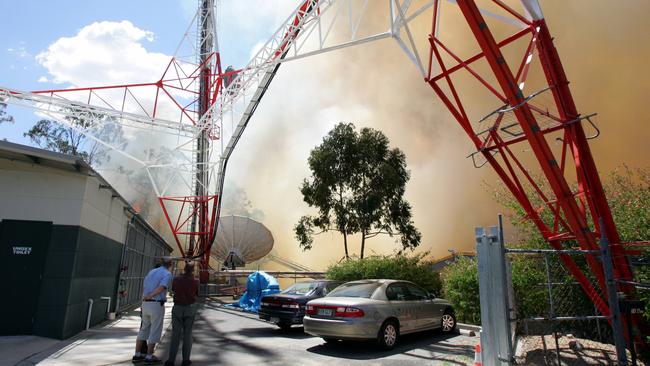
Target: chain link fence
{"points": [[535, 312], [555, 301], [555, 320]]}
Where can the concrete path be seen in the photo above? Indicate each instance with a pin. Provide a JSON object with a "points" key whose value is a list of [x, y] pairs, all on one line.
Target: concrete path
{"points": [[106, 344], [14, 349]]}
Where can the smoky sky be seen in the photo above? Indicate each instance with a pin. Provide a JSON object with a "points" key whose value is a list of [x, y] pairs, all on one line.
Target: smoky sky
{"points": [[603, 47]]}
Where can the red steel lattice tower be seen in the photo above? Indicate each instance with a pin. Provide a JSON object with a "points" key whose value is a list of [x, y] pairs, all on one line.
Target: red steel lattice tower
{"points": [[576, 209]]}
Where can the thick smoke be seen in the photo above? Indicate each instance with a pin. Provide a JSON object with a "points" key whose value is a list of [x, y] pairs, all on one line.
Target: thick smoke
{"points": [[603, 47], [601, 44]]}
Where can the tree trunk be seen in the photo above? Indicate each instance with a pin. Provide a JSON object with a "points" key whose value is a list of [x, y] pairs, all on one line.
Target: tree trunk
{"points": [[363, 242], [345, 244]]}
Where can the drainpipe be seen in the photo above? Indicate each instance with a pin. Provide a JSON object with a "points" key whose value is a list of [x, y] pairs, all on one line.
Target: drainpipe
{"points": [[90, 311], [109, 315]]}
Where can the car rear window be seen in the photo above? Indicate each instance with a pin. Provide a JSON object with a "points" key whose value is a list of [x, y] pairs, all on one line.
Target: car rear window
{"points": [[301, 288], [329, 286], [359, 289]]}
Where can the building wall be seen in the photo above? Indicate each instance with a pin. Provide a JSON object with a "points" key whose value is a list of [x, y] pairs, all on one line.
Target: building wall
{"points": [[35, 192], [80, 265], [88, 232], [85, 253], [102, 212]]}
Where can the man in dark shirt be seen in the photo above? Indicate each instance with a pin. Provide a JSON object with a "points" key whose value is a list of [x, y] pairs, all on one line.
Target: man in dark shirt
{"points": [[186, 289]]}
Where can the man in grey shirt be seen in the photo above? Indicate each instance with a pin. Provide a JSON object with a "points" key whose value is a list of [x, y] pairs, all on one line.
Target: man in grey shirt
{"points": [[154, 295]]}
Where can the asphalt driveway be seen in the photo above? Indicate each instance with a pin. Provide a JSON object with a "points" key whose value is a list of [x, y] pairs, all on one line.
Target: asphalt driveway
{"points": [[228, 337]]}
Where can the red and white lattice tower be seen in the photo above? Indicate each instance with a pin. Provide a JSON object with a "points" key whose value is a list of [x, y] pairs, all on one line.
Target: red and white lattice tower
{"points": [[179, 104]]}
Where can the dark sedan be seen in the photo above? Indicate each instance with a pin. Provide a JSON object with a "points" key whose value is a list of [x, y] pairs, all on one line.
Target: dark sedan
{"points": [[288, 307]]}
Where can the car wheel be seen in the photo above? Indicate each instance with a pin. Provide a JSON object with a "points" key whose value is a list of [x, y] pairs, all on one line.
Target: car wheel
{"points": [[388, 334], [284, 326], [448, 322]]}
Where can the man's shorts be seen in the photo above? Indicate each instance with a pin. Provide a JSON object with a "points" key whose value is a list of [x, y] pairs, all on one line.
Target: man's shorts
{"points": [[152, 322]]}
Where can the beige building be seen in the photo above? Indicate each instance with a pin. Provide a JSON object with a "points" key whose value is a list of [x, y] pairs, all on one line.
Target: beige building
{"points": [[68, 242]]}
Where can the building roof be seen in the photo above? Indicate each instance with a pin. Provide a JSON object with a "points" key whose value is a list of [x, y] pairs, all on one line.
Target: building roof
{"points": [[33, 155], [66, 162], [439, 264]]}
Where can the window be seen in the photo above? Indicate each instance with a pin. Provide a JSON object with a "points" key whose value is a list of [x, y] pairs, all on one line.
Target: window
{"points": [[301, 288], [397, 292], [329, 286], [416, 292], [355, 289]]}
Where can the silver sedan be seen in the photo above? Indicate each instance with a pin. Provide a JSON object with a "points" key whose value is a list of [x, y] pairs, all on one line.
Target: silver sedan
{"points": [[377, 309]]}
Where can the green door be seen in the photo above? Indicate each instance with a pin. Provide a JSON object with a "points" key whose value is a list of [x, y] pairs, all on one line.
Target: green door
{"points": [[23, 248]]}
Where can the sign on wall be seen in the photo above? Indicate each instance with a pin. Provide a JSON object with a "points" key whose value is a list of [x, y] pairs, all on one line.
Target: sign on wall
{"points": [[22, 250]]}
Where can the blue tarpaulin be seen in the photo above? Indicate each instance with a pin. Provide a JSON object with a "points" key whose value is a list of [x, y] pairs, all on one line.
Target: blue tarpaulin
{"points": [[259, 284]]}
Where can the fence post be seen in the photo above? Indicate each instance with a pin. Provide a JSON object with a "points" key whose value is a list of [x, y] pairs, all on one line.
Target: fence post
{"points": [[495, 323], [612, 297], [551, 307], [507, 353]]}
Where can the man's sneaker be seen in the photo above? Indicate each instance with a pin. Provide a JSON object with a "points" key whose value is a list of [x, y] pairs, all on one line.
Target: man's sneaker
{"points": [[152, 361], [169, 363], [137, 359], [186, 363]]}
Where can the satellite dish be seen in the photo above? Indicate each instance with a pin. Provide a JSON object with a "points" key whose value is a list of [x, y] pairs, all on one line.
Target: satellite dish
{"points": [[241, 240]]}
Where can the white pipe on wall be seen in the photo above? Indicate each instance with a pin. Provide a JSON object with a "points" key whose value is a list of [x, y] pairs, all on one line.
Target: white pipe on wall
{"points": [[90, 311], [108, 308]]}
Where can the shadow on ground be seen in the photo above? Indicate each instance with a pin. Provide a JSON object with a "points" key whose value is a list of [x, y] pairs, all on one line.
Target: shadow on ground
{"points": [[585, 357], [212, 343], [296, 332], [432, 343], [253, 341]]}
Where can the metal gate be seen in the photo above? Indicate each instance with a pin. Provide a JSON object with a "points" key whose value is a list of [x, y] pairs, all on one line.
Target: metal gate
{"points": [[142, 250]]}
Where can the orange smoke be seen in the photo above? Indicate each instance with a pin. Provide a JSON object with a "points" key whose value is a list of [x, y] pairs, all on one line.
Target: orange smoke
{"points": [[603, 46]]}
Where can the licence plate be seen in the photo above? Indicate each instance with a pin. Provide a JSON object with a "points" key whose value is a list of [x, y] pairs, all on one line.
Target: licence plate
{"points": [[325, 312], [275, 320]]}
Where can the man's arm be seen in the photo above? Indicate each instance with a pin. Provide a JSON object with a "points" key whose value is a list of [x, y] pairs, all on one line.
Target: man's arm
{"points": [[162, 287], [158, 290]]}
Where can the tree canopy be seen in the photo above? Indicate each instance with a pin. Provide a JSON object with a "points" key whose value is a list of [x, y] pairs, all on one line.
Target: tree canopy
{"points": [[72, 138], [4, 116], [357, 184]]}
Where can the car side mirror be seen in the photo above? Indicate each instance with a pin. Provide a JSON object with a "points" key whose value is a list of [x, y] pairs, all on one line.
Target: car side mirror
{"points": [[431, 296]]}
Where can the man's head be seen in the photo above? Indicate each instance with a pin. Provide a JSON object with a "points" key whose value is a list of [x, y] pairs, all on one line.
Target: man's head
{"points": [[167, 262], [189, 267]]}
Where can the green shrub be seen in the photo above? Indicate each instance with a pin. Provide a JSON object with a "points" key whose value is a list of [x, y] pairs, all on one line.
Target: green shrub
{"points": [[460, 287], [399, 267], [528, 279]]}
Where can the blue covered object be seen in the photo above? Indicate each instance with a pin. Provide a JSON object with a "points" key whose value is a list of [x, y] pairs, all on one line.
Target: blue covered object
{"points": [[259, 284]]}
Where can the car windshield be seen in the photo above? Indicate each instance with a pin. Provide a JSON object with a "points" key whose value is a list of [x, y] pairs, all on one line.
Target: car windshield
{"points": [[357, 289], [301, 288]]}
